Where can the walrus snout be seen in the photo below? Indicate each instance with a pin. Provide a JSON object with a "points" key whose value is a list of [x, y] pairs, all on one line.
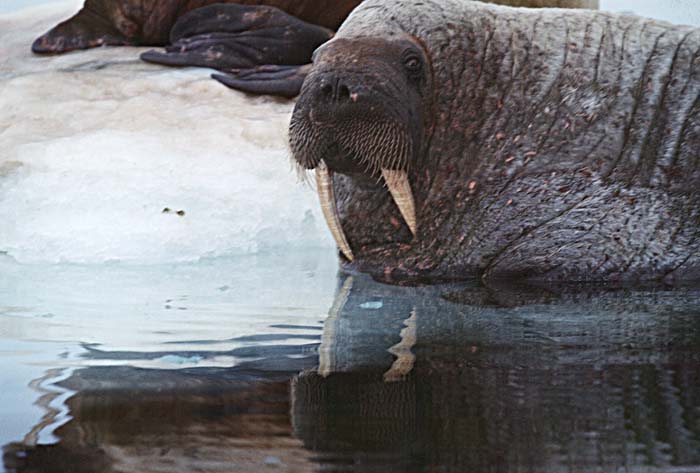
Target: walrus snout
{"points": [[363, 101], [334, 97], [43, 45], [61, 39]]}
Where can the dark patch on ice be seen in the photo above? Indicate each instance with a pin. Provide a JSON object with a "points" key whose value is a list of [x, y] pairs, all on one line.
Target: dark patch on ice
{"points": [[10, 167], [97, 65]]}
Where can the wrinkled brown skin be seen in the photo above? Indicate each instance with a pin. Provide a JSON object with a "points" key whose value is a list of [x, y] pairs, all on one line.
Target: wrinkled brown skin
{"points": [[553, 146], [148, 22]]}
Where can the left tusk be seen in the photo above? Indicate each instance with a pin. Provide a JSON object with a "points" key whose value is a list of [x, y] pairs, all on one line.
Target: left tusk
{"points": [[324, 184], [400, 189]]}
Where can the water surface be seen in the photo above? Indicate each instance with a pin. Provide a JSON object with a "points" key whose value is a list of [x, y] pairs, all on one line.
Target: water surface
{"points": [[286, 366]]}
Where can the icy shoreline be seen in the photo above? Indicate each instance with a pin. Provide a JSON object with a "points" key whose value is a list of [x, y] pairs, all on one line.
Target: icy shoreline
{"points": [[95, 145]]}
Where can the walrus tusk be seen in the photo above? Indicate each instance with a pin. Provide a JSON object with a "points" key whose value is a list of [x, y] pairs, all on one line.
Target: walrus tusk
{"points": [[324, 184], [400, 188]]}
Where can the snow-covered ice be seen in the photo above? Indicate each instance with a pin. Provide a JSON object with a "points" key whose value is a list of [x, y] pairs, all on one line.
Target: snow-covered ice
{"points": [[682, 12], [94, 145]]}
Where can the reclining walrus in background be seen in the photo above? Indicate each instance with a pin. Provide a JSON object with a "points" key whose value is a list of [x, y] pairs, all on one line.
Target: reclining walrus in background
{"points": [[538, 144], [264, 45], [234, 36]]}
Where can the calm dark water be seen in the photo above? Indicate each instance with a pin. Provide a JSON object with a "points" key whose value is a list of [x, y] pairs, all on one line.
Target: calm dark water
{"points": [[429, 379]]}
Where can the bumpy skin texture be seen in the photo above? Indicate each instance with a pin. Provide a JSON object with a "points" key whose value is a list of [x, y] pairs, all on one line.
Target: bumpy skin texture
{"points": [[559, 145]]}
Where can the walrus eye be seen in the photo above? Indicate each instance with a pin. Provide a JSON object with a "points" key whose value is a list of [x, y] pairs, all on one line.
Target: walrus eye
{"points": [[413, 65]]}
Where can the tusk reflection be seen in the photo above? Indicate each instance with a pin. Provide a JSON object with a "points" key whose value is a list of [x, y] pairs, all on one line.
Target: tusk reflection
{"points": [[405, 359], [326, 352]]}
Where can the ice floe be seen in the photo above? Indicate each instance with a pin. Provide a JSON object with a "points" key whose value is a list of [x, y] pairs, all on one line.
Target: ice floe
{"points": [[106, 158]]}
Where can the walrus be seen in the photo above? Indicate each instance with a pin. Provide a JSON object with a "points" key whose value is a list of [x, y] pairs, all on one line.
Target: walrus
{"points": [[263, 46], [460, 140], [235, 36]]}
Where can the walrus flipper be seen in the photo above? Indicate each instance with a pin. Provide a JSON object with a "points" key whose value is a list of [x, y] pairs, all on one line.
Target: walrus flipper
{"points": [[86, 29], [232, 37], [283, 81]]}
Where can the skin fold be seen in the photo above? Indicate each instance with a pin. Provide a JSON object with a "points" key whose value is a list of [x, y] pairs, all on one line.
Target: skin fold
{"points": [[261, 46], [544, 144]]}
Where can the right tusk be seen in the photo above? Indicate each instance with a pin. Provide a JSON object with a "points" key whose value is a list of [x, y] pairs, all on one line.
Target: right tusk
{"points": [[400, 189], [324, 184]]}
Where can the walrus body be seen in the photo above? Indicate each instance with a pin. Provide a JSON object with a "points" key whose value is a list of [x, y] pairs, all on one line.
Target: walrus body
{"points": [[234, 36], [541, 144], [263, 46]]}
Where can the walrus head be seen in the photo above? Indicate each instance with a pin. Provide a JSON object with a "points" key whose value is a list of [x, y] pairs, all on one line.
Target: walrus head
{"points": [[361, 113]]}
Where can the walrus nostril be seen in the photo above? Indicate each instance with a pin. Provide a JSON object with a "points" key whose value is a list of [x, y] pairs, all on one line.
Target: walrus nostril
{"points": [[343, 93], [336, 90], [327, 90]]}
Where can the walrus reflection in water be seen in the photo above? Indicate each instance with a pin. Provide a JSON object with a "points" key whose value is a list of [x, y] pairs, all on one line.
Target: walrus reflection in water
{"points": [[458, 140], [264, 46], [503, 379], [437, 378]]}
